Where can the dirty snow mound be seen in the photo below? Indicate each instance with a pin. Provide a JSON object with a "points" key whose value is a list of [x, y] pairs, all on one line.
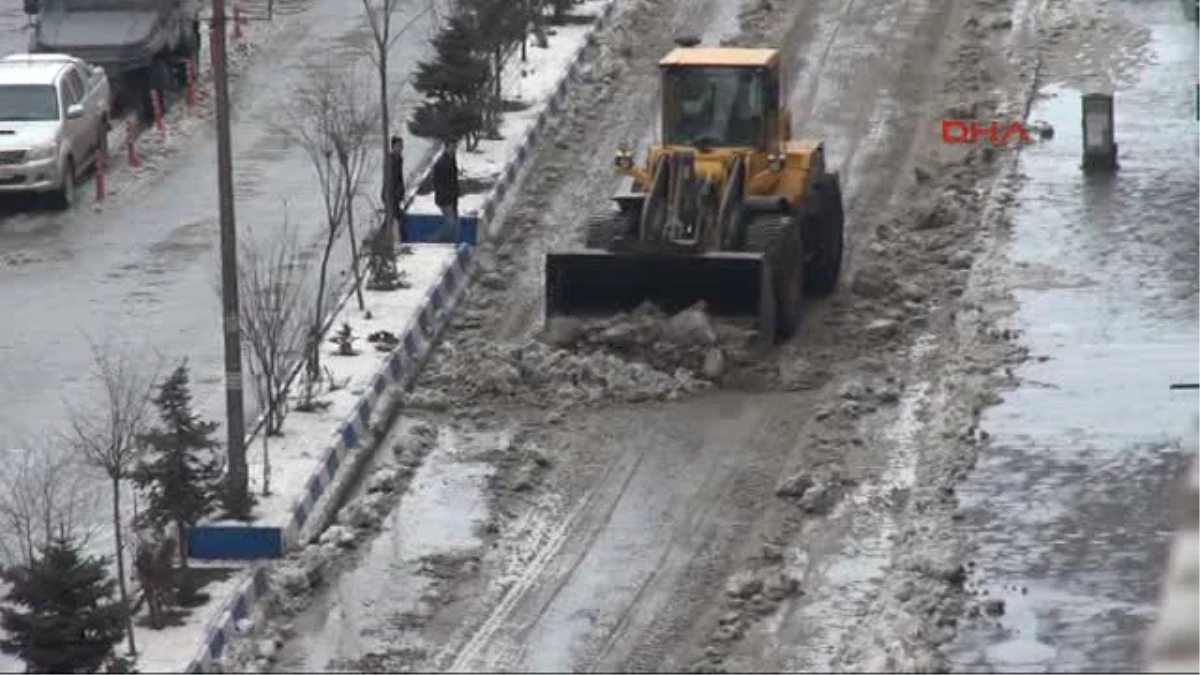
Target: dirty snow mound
{"points": [[641, 355]]}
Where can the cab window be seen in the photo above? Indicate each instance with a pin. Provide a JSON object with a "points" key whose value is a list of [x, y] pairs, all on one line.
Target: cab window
{"points": [[715, 106]]}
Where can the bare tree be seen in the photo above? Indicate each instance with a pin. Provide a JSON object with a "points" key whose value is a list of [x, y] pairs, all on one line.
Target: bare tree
{"points": [[351, 129], [43, 495], [106, 437], [315, 128], [272, 291]]}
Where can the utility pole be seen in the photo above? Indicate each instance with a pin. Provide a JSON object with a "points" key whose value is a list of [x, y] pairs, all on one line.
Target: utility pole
{"points": [[237, 475]]}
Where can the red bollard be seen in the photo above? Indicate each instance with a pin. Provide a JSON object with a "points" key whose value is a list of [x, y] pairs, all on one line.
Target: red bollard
{"points": [[237, 21], [156, 100], [191, 85], [101, 167], [131, 142]]}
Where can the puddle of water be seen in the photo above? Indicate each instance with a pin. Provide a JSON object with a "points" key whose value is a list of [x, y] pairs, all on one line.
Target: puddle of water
{"points": [[1069, 498], [358, 615]]}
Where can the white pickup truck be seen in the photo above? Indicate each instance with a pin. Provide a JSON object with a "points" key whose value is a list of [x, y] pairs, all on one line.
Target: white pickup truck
{"points": [[53, 123]]}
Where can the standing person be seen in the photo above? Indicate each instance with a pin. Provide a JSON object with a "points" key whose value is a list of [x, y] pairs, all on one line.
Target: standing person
{"points": [[396, 158], [445, 192]]}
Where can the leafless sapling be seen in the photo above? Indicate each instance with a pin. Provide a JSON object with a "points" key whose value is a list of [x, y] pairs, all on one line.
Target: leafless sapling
{"points": [[351, 131], [272, 281], [314, 128], [107, 436], [43, 495]]}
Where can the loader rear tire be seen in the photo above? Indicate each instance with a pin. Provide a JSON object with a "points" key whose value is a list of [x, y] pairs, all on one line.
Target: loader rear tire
{"points": [[777, 237], [823, 238], [605, 228]]}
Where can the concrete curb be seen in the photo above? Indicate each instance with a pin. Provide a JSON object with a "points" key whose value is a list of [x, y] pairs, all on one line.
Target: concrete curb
{"points": [[355, 444], [1172, 645]]}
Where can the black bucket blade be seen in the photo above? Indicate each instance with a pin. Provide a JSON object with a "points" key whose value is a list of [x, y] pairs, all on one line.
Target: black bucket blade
{"points": [[597, 283]]}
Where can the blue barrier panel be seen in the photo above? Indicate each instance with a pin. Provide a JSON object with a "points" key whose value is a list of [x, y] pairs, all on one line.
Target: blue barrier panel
{"points": [[423, 227], [214, 542]]}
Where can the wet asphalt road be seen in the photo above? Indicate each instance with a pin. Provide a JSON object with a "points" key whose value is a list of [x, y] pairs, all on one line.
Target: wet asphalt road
{"points": [[1066, 510], [144, 270]]}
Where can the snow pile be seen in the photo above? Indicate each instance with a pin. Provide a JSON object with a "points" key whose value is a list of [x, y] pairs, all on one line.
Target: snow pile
{"points": [[635, 356], [750, 595]]}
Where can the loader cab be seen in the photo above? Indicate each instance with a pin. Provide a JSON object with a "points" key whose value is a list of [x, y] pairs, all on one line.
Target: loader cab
{"points": [[720, 98]]}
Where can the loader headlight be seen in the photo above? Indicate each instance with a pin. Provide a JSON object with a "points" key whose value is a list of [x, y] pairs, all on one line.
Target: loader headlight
{"points": [[775, 163], [623, 159]]}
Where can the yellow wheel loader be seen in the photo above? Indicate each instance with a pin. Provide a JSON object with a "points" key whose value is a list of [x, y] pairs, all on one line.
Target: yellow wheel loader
{"points": [[728, 209]]}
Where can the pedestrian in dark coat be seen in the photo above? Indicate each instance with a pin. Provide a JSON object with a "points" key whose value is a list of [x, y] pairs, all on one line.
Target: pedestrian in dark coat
{"points": [[396, 158], [445, 192]]}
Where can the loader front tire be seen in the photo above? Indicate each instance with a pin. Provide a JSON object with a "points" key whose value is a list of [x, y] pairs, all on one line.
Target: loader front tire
{"points": [[605, 228], [777, 237], [823, 237]]}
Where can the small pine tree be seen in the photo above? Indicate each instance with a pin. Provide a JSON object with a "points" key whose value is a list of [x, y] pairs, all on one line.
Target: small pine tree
{"points": [[181, 473], [454, 85], [60, 614], [445, 121], [496, 26]]}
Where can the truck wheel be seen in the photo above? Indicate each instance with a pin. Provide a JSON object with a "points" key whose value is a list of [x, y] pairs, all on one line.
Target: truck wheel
{"points": [[777, 237], [823, 234], [64, 196]]}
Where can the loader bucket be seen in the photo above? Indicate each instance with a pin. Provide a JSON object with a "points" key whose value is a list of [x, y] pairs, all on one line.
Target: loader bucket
{"points": [[598, 283]]}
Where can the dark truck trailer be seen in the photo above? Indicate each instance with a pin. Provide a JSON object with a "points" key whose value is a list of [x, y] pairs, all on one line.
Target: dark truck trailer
{"points": [[143, 45]]}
